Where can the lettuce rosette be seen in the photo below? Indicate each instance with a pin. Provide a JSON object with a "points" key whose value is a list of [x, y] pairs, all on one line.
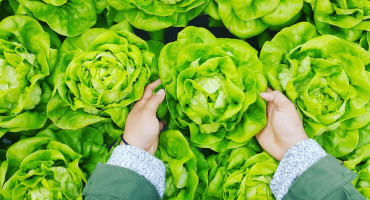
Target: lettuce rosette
{"points": [[186, 167], [246, 19], [27, 56], [212, 88], [240, 174], [100, 74], [66, 17], [54, 164], [155, 15], [347, 19], [325, 76]]}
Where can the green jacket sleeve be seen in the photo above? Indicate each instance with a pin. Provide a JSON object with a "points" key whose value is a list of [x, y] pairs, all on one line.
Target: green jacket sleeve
{"points": [[326, 179], [113, 182]]}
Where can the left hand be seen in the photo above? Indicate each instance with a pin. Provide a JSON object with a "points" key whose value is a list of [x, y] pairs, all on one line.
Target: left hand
{"points": [[142, 125]]}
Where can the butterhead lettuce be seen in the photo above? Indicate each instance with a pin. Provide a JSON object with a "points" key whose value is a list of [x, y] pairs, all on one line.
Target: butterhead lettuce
{"points": [[240, 174], [66, 17], [54, 164], [347, 19], [326, 78], [100, 74], [246, 19], [27, 57], [155, 15], [212, 87]]}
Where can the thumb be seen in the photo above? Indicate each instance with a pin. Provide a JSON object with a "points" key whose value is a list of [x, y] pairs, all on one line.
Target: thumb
{"points": [[278, 98], [153, 102]]}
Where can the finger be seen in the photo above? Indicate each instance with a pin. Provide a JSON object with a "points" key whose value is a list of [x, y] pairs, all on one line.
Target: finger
{"points": [[278, 98], [152, 104], [148, 91], [161, 125], [260, 137], [270, 106]]}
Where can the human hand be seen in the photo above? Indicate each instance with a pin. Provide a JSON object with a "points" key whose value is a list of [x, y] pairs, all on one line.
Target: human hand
{"points": [[142, 125], [284, 126]]}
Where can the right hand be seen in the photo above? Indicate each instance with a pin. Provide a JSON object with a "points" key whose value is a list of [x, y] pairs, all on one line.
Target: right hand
{"points": [[284, 126]]}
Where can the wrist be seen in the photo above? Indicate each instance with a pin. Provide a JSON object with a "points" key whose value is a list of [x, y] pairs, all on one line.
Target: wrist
{"points": [[146, 146], [141, 162], [297, 139], [298, 159]]}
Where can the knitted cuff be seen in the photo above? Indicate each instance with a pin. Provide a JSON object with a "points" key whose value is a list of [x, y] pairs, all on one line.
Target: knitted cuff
{"points": [[297, 160], [141, 162]]}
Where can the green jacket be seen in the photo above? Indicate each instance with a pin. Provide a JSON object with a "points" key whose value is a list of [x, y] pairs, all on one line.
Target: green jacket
{"points": [[326, 179], [113, 182]]}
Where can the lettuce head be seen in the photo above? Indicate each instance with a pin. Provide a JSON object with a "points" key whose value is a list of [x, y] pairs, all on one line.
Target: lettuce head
{"points": [[54, 164], [66, 17], [240, 174], [347, 19], [246, 19], [212, 88], [99, 75], [155, 15], [326, 78], [27, 56]]}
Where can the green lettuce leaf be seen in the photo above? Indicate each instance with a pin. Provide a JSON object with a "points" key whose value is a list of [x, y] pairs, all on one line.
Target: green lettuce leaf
{"points": [[361, 155], [157, 14], [240, 174], [66, 17], [27, 56], [359, 162], [89, 142], [364, 136], [100, 74], [212, 88], [346, 19], [246, 19], [326, 78], [186, 167], [339, 142], [362, 182]]}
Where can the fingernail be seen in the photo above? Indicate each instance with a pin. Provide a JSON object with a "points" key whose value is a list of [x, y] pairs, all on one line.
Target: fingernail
{"points": [[160, 92]]}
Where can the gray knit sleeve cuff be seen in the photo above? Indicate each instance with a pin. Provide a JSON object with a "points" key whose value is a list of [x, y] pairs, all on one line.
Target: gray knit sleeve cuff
{"points": [[297, 160], [141, 162]]}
